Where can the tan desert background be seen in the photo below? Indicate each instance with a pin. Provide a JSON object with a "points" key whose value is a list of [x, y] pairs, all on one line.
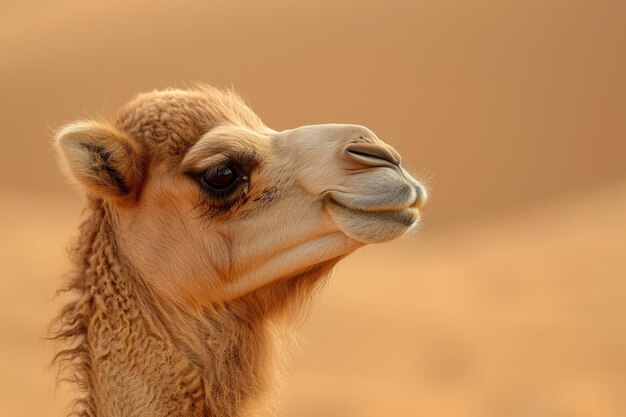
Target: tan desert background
{"points": [[510, 301]]}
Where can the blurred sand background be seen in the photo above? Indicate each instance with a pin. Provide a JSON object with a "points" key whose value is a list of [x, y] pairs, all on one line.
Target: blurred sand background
{"points": [[511, 301]]}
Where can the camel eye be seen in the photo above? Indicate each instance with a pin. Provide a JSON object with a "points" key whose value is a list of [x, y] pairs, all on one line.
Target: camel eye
{"points": [[219, 179]]}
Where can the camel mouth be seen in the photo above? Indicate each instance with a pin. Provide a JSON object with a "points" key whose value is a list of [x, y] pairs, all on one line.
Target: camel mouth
{"points": [[370, 225], [408, 216]]}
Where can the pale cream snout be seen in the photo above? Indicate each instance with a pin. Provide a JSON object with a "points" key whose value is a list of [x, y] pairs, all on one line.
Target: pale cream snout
{"points": [[367, 192]]}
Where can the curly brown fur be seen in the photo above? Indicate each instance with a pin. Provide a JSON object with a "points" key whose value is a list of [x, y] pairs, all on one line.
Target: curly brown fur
{"points": [[172, 119]]}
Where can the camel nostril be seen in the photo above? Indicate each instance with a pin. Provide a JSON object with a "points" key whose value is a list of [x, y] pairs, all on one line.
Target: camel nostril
{"points": [[373, 155]]}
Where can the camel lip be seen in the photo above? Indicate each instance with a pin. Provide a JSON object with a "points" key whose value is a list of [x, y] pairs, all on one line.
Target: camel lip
{"points": [[340, 199], [407, 215]]}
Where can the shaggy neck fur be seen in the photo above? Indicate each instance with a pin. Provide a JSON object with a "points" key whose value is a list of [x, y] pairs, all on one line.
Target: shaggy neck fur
{"points": [[135, 354]]}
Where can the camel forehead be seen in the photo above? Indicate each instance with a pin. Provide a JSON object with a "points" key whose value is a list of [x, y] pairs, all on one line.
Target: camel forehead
{"points": [[170, 121]]}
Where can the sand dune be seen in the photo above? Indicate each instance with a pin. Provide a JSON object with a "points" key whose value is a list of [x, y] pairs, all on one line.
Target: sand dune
{"points": [[518, 315]]}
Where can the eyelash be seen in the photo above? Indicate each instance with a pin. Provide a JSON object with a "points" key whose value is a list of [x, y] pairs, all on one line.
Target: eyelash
{"points": [[213, 203]]}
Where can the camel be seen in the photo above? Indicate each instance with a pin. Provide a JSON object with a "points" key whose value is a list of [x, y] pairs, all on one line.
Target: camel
{"points": [[205, 237]]}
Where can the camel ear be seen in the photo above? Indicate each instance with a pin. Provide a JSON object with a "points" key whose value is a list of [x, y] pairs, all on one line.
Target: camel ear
{"points": [[107, 162]]}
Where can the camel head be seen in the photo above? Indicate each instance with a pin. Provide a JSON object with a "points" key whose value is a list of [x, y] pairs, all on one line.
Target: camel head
{"points": [[209, 204]]}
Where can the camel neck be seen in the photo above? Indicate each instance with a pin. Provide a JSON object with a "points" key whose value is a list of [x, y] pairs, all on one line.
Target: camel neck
{"points": [[137, 356]]}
